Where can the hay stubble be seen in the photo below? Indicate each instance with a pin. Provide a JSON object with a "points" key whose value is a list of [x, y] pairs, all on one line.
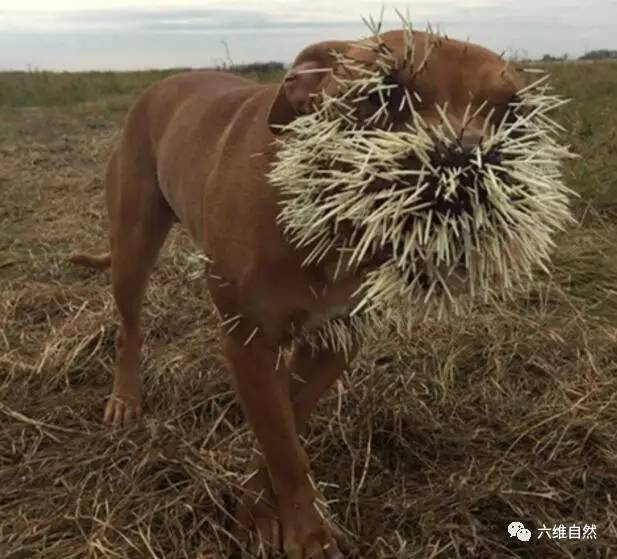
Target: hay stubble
{"points": [[433, 443]]}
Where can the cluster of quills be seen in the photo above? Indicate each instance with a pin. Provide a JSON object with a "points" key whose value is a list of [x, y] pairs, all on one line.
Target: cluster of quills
{"points": [[453, 227]]}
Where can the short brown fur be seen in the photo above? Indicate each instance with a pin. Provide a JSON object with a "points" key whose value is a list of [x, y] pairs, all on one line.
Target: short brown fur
{"points": [[196, 149]]}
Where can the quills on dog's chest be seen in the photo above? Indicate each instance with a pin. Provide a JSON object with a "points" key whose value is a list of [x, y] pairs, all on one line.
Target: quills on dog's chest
{"points": [[316, 320], [330, 322], [331, 307]]}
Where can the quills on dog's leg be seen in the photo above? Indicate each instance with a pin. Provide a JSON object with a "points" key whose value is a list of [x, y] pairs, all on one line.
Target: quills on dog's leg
{"points": [[234, 321], [279, 357], [234, 326], [250, 476], [297, 377], [251, 336], [259, 496]]}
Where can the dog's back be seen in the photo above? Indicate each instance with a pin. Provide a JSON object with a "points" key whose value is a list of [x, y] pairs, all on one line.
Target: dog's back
{"points": [[157, 105], [201, 132]]}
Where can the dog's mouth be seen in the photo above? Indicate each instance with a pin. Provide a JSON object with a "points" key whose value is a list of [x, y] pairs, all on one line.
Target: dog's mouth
{"points": [[454, 195]]}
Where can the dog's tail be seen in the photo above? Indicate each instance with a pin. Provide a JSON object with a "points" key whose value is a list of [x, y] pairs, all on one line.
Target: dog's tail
{"points": [[98, 262]]}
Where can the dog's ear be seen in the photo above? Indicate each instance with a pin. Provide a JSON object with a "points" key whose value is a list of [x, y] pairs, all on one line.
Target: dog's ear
{"points": [[306, 78]]}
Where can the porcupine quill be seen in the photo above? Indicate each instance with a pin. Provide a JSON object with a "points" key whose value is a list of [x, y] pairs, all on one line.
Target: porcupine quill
{"points": [[483, 218]]}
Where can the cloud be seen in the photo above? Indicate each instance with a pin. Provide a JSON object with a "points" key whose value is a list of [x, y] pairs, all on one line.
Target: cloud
{"points": [[155, 34], [278, 14]]}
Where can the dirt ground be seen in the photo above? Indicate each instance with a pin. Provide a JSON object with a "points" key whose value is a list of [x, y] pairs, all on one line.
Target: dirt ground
{"points": [[429, 447]]}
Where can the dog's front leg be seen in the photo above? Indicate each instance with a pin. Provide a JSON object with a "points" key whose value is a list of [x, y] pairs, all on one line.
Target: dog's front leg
{"points": [[264, 393], [312, 373]]}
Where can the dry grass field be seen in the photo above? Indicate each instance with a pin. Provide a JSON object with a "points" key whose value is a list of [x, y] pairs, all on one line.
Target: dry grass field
{"points": [[428, 448]]}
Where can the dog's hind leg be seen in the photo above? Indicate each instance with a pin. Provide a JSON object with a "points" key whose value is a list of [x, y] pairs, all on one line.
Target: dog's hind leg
{"points": [[140, 219]]}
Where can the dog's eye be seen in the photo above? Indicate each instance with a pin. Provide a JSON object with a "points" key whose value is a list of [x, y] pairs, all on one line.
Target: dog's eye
{"points": [[395, 93], [392, 94]]}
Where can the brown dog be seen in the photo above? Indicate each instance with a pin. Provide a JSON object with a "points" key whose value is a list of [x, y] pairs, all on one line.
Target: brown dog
{"points": [[196, 149]]}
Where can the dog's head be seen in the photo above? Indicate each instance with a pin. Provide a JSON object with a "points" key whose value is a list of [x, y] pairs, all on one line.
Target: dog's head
{"points": [[425, 156], [435, 74]]}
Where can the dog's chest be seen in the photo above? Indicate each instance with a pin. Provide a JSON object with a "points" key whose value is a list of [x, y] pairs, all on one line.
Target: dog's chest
{"points": [[334, 299], [317, 319]]}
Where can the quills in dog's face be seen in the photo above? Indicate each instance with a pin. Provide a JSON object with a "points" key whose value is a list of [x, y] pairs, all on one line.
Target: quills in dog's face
{"points": [[451, 200]]}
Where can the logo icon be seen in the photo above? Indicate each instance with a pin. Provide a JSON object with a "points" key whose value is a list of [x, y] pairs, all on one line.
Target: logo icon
{"points": [[518, 529]]}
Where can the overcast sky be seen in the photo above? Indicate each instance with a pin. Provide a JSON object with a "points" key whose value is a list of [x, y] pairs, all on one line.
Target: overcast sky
{"points": [[136, 34]]}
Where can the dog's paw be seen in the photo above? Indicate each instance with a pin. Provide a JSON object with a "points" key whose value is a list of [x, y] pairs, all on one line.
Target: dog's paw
{"points": [[264, 529], [308, 533], [260, 535], [122, 410], [261, 538], [257, 529]]}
